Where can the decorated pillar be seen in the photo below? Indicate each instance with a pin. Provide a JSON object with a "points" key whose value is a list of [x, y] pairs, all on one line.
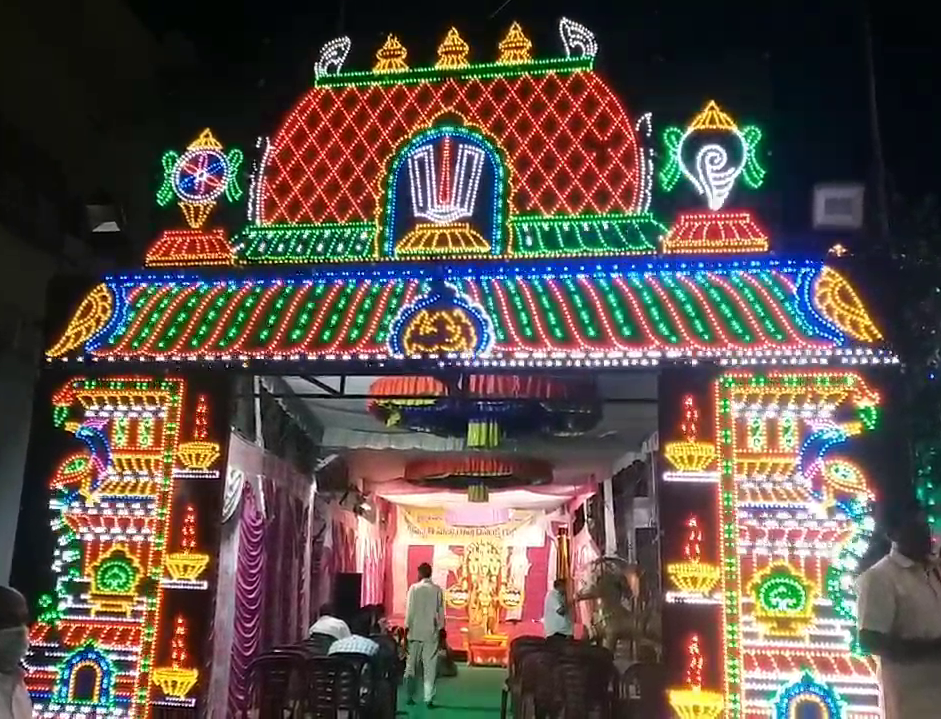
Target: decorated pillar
{"points": [[765, 518], [136, 500]]}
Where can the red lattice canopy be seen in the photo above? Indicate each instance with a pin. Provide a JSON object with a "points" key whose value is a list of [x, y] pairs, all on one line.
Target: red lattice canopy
{"points": [[569, 143]]}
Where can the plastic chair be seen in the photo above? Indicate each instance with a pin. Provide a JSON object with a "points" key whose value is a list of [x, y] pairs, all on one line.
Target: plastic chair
{"points": [[273, 692], [650, 682], [533, 696], [583, 687], [518, 649], [318, 644], [338, 683]]}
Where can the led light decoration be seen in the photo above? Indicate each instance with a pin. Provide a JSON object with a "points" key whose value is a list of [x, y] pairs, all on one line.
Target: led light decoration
{"points": [[199, 453], [452, 52], [690, 455], [391, 56], [784, 600], [692, 702], [179, 679], [577, 39], [782, 537], [808, 693], [441, 323], [837, 301], [332, 57], [710, 233], [92, 316], [445, 166], [578, 313], [515, 47], [644, 127], [712, 153], [711, 171], [693, 576], [199, 177], [183, 248], [547, 114], [845, 562], [92, 651], [188, 564], [86, 658]]}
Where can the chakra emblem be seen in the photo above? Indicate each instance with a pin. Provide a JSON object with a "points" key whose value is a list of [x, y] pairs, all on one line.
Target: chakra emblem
{"points": [[199, 177]]}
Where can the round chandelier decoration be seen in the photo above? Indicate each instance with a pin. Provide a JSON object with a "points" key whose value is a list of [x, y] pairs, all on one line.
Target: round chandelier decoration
{"points": [[478, 474], [487, 408]]}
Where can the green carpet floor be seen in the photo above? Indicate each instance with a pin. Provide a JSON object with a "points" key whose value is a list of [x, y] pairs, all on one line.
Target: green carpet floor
{"points": [[474, 693]]}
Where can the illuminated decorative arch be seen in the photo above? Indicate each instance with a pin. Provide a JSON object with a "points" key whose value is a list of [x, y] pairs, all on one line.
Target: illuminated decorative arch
{"points": [[86, 656], [808, 690]]}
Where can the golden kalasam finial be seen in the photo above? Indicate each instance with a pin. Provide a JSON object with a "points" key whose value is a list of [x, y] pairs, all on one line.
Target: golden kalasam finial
{"points": [[452, 53], [713, 117], [391, 56], [515, 47]]}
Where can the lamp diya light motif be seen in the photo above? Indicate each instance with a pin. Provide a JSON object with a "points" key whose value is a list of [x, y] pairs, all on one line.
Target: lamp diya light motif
{"points": [[199, 453], [694, 702], [690, 455], [178, 679], [693, 575], [187, 564]]}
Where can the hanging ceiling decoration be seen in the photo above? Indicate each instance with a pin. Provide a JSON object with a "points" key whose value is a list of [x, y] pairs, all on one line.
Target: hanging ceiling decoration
{"points": [[488, 408], [478, 474]]}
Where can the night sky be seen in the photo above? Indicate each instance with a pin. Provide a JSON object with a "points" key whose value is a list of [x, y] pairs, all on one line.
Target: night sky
{"points": [[797, 70]]}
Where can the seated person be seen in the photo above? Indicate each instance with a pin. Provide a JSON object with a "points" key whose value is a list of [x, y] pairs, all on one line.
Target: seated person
{"points": [[356, 642], [329, 624], [380, 624], [447, 667]]}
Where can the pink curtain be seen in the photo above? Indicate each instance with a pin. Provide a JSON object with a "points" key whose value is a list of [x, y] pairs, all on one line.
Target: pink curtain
{"points": [[584, 553], [249, 596]]}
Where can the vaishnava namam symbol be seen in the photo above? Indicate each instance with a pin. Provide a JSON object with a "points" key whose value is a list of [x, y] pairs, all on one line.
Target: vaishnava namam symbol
{"points": [[443, 194]]}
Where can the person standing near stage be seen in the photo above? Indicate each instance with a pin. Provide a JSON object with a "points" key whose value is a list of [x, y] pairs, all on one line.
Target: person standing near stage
{"points": [[899, 620], [557, 614], [424, 620], [14, 642]]}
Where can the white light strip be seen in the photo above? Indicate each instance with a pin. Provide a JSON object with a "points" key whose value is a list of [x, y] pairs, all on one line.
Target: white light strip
{"points": [[699, 477]]}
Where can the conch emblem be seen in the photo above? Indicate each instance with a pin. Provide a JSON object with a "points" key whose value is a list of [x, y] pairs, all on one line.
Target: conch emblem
{"points": [[712, 153]]}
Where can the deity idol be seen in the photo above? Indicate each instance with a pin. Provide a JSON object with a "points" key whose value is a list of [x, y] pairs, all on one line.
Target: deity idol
{"points": [[483, 587]]}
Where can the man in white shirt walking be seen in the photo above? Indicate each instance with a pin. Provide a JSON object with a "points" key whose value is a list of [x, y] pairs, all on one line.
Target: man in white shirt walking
{"points": [[557, 614], [424, 619], [899, 602]]}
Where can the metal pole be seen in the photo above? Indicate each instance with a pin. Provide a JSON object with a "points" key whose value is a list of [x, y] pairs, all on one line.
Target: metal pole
{"points": [[392, 398], [882, 193]]}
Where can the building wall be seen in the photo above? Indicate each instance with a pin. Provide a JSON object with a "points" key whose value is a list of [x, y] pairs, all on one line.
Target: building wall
{"points": [[23, 277], [83, 74]]}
